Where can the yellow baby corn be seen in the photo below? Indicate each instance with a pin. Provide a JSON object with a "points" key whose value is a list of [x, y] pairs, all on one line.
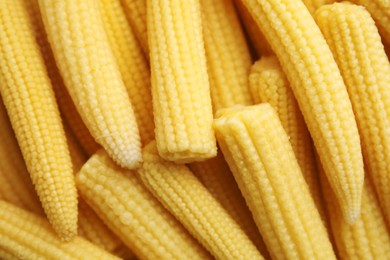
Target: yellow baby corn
{"points": [[180, 89], [15, 183], [120, 199], [216, 176], [313, 5], [29, 99], [28, 236], [88, 67], [227, 54], [356, 45], [189, 201], [263, 163], [320, 91], [269, 84], [132, 65], [136, 14], [4, 254]]}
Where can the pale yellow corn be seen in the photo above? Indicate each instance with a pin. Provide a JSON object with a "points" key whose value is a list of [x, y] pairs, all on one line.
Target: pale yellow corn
{"points": [[320, 91], [227, 54], [15, 183], [356, 45], [132, 65], [176, 187], [28, 236], [269, 84], [121, 200], [4, 254], [87, 65], [263, 163], [380, 11], [216, 176], [180, 88], [313, 5], [30, 102], [136, 14]]}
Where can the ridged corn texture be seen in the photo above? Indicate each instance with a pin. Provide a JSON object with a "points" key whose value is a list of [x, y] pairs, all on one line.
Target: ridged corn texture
{"points": [[180, 87], [91, 75], [15, 183], [269, 84], [320, 91], [264, 165], [313, 5], [132, 64], [227, 54], [216, 176], [380, 12], [356, 45], [136, 15], [28, 236], [31, 106], [127, 207], [4, 254], [176, 187]]}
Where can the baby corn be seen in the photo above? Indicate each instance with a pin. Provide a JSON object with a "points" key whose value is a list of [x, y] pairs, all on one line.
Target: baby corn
{"points": [[189, 201], [31, 105], [180, 88], [264, 166], [313, 5], [320, 91], [120, 199], [88, 67]]}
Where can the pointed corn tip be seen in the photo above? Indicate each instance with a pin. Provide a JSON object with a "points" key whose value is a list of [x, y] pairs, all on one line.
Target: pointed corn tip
{"points": [[352, 216]]}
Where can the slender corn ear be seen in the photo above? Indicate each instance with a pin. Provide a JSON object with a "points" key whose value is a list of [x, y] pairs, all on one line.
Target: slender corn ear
{"points": [[263, 163], [216, 176], [227, 54], [320, 91], [120, 199], [136, 15], [269, 84], [28, 236], [132, 65], [31, 105], [15, 183], [88, 67], [356, 45], [313, 5], [380, 11], [180, 88], [188, 200]]}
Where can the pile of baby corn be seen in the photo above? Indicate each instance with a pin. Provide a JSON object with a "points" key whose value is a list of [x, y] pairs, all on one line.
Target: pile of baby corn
{"points": [[111, 111]]}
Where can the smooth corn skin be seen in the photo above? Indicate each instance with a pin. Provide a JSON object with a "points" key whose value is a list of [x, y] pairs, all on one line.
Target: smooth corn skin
{"points": [[132, 64], [264, 166], [188, 200], [180, 88], [15, 183], [227, 54], [88, 67], [356, 45], [269, 84], [28, 236], [30, 102], [121, 200], [320, 91]]}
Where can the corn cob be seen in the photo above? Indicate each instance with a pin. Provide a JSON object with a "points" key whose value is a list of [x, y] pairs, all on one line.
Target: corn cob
{"points": [[227, 54], [136, 15], [15, 183], [120, 199], [88, 67], [189, 201], [29, 236], [5, 255], [216, 176], [320, 91], [180, 89], [264, 166], [132, 65], [380, 12], [313, 5], [356, 45], [269, 84], [30, 102]]}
